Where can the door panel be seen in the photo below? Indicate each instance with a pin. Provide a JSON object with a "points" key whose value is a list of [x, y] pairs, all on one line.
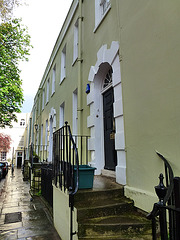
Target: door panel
{"points": [[19, 162], [109, 131]]}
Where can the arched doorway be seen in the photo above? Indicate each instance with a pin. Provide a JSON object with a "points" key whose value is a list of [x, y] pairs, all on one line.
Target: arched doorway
{"points": [[106, 114], [52, 127], [19, 159], [50, 139]]}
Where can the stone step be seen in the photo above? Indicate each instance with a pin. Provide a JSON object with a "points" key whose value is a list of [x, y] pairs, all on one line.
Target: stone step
{"points": [[104, 213], [91, 202], [93, 195], [117, 237], [104, 208], [124, 225]]}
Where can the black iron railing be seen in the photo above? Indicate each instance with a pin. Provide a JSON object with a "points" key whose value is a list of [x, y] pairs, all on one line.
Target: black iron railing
{"points": [[35, 179], [46, 182], [36, 153], [65, 158], [167, 210], [34, 170]]}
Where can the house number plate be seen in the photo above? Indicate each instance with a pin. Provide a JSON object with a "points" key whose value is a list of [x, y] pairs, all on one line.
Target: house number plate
{"points": [[112, 136]]}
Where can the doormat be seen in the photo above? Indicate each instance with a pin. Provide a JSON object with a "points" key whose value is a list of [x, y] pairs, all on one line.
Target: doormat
{"points": [[13, 217]]}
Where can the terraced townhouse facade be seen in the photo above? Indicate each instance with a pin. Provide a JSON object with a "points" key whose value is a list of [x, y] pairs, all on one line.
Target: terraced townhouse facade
{"points": [[127, 54]]}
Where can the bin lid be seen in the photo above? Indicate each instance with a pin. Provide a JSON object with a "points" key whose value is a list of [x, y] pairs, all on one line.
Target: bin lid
{"points": [[84, 167]]}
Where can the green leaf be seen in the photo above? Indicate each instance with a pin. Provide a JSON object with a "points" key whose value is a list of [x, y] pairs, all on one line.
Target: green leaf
{"points": [[14, 47]]}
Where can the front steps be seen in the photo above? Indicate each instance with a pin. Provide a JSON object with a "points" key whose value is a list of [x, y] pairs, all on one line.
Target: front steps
{"points": [[107, 214]]}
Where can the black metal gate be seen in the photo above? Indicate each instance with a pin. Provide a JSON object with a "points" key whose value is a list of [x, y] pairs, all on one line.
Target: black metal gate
{"points": [[46, 182], [65, 157]]}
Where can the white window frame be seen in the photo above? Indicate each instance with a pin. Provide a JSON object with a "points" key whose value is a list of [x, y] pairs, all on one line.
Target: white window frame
{"points": [[53, 80], [22, 122], [63, 64], [104, 4], [102, 7], [41, 137], [39, 105], [61, 115], [47, 91], [50, 139], [75, 116], [46, 135], [43, 96], [76, 41], [37, 141], [3, 156]]}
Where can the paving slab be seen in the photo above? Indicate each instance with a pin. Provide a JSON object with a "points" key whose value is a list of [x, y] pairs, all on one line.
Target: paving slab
{"points": [[22, 217]]}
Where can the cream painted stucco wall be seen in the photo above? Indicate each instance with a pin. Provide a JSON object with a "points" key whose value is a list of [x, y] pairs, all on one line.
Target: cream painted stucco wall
{"points": [[148, 36], [61, 213], [150, 45]]}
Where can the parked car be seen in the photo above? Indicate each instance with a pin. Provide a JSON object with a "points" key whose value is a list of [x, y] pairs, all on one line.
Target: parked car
{"points": [[1, 175], [4, 167], [7, 166]]}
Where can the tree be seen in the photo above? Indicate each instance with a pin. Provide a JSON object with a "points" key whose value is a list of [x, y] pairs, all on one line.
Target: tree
{"points": [[5, 142], [14, 46], [6, 8]]}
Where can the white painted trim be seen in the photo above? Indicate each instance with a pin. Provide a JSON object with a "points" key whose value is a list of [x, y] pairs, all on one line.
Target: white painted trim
{"points": [[106, 88], [61, 115], [76, 41], [52, 128], [53, 116], [105, 59], [74, 113], [63, 64], [98, 15]]}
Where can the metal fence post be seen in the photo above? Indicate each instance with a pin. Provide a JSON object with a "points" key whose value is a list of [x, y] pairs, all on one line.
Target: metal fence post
{"points": [[177, 205], [161, 191]]}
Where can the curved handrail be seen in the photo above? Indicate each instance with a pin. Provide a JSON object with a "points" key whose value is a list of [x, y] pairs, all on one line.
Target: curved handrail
{"points": [[77, 161], [155, 211], [171, 176]]}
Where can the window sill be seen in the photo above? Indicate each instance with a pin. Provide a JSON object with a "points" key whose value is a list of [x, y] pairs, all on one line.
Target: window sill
{"points": [[62, 80], [101, 20], [52, 94], [74, 61]]}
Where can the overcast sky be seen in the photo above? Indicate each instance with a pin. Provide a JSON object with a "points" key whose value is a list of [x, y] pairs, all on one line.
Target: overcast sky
{"points": [[44, 19]]}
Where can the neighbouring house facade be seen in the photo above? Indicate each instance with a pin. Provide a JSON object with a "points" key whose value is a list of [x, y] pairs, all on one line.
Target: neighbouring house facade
{"points": [[113, 75], [18, 133]]}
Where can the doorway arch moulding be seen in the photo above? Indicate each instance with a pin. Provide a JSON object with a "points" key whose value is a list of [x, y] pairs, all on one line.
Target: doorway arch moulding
{"points": [[52, 128], [106, 58]]}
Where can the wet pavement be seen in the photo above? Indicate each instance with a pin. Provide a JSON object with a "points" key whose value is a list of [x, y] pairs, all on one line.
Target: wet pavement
{"points": [[21, 216]]}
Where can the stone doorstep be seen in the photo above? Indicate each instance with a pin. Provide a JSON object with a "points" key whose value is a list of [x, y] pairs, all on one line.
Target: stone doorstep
{"points": [[109, 215]]}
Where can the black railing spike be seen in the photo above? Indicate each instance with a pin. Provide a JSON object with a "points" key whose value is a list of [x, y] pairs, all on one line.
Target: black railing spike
{"points": [[161, 189], [170, 177]]}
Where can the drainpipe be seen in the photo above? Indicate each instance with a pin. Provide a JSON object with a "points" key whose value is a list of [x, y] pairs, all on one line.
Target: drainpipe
{"points": [[32, 128], [79, 107]]}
